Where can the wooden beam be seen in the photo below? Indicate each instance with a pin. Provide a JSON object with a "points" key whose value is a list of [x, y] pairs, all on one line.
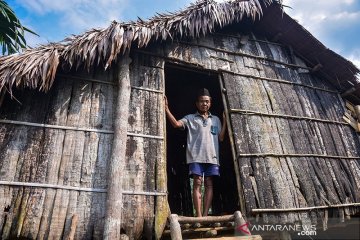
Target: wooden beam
{"points": [[278, 80], [207, 219], [261, 58], [275, 115], [316, 68], [249, 39], [114, 204], [296, 155], [304, 208], [31, 124], [85, 79]]}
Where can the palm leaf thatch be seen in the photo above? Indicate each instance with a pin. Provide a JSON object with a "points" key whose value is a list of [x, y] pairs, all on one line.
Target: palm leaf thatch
{"points": [[36, 68], [198, 19]]}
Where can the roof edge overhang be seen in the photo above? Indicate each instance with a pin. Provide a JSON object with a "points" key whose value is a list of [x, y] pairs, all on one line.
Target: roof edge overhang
{"points": [[36, 68]]}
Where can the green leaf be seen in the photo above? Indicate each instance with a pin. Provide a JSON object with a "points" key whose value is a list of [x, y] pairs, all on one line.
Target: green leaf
{"points": [[12, 32]]}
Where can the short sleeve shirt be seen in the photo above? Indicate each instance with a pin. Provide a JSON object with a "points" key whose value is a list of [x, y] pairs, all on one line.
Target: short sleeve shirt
{"points": [[202, 138]]}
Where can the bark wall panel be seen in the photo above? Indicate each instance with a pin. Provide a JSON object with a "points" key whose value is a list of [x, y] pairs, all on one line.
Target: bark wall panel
{"points": [[144, 153], [75, 158], [307, 181], [60, 157]]}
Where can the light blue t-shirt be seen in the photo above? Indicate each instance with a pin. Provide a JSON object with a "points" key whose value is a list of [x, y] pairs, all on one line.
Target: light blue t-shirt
{"points": [[202, 138]]}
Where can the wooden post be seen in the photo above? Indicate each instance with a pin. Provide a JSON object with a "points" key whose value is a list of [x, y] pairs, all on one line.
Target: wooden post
{"points": [[240, 190], [112, 224], [175, 229], [241, 224]]}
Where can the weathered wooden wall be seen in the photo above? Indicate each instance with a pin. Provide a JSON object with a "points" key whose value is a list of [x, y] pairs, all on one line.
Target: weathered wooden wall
{"points": [[79, 158], [56, 156], [145, 169], [259, 77]]}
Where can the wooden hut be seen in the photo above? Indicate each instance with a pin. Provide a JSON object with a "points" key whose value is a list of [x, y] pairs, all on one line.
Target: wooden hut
{"points": [[85, 151]]}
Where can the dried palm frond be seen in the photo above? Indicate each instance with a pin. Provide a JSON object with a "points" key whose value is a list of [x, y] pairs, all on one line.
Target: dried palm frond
{"points": [[199, 19], [36, 68]]}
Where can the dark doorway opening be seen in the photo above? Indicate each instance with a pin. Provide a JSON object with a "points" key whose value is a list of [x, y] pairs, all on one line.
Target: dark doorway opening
{"points": [[182, 84]]}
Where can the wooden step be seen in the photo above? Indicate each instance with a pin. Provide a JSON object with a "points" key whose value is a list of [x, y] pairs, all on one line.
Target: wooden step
{"points": [[201, 229], [188, 225]]}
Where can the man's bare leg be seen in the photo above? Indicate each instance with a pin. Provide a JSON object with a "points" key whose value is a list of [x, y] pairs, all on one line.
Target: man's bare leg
{"points": [[208, 195], [197, 194]]}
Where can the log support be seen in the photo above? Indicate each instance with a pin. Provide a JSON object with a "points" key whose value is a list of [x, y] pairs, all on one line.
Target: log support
{"points": [[241, 226], [175, 229], [195, 224], [112, 225]]}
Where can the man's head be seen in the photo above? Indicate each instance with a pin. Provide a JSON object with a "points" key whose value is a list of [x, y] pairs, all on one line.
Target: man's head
{"points": [[203, 102]]}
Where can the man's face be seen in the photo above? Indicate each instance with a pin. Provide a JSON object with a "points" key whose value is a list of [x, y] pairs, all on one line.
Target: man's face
{"points": [[203, 104]]}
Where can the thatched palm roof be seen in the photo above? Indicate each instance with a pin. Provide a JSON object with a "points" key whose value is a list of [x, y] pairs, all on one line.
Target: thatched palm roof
{"points": [[36, 68]]}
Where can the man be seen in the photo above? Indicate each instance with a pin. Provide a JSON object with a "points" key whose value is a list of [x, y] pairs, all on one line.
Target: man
{"points": [[204, 131]]}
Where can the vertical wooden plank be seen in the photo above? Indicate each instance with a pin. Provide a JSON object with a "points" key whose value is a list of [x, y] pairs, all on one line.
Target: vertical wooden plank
{"points": [[145, 117], [91, 206], [307, 179], [162, 209], [277, 103], [25, 144], [11, 156], [249, 96], [278, 53], [232, 142], [70, 166]]}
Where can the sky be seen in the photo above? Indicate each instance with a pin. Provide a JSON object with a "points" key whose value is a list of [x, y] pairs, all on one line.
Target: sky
{"points": [[336, 23]]}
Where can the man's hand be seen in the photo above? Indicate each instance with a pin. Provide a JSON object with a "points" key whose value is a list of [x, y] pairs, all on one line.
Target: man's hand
{"points": [[166, 103], [175, 123]]}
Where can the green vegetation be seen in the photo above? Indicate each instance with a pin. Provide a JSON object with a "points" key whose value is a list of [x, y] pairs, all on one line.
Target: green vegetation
{"points": [[12, 33]]}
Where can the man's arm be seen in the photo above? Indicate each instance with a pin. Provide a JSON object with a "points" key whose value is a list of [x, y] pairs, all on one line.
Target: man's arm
{"points": [[175, 123], [223, 129]]}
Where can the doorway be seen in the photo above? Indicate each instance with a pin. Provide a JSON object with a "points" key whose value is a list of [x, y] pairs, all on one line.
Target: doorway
{"points": [[182, 84]]}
